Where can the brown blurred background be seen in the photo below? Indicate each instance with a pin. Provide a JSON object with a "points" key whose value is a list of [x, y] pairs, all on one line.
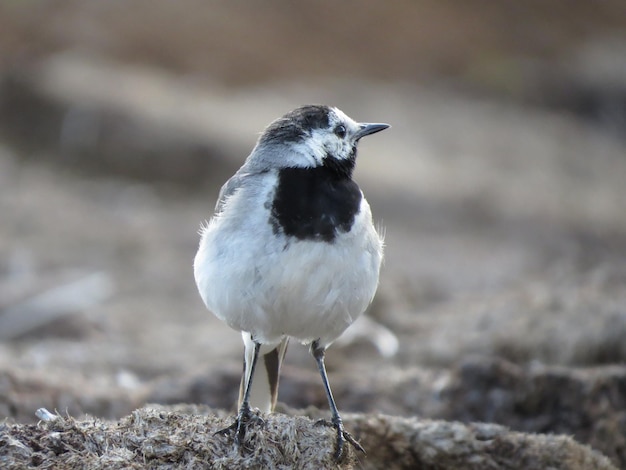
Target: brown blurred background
{"points": [[501, 187]]}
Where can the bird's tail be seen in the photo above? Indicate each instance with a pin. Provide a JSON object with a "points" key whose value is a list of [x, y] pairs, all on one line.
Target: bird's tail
{"points": [[264, 391]]}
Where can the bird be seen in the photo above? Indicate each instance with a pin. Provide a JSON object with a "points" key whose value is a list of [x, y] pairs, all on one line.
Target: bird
{"points": [[291, 252]]}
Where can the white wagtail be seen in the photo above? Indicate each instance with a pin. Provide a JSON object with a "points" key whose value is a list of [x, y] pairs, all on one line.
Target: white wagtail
{"points": [[291, 251]]}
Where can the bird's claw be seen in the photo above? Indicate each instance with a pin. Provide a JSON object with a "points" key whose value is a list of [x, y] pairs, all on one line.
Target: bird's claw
{"points": [[343, 436], [226, 430], [245, 418]]}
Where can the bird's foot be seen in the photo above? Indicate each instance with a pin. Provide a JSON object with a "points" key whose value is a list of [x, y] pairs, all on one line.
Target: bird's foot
{"points": [[343, 436], [245, 418]]}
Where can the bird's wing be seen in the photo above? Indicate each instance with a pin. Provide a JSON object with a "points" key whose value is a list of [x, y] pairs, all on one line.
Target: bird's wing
{"points": [[228, 189], [234, 183]]}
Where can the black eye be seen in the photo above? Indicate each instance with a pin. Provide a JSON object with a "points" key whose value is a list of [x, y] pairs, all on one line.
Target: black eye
{"points": [[340, 131]]}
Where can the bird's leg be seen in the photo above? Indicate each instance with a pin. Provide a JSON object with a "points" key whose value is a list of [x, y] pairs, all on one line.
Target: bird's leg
{"points": [[342, 435], [245, 415]]}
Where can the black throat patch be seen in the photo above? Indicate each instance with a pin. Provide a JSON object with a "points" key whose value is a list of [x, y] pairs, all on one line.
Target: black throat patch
{"points": [[314, 203]]}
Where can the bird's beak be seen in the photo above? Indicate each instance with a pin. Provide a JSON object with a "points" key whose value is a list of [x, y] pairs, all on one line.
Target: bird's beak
{"points": [[369, 128]]}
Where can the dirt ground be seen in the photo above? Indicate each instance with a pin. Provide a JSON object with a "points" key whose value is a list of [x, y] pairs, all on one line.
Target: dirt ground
{"points": [[503, 293]]}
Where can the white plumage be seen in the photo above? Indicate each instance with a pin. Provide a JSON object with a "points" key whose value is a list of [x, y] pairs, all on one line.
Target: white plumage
{"points": [[271, 287]]}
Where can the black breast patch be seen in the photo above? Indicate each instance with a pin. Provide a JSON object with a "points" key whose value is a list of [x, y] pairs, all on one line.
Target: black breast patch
{"points": [[314, 203]]}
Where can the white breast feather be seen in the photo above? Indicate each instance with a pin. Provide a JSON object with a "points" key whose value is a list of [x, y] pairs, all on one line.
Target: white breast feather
{"points": [[300, 288]]}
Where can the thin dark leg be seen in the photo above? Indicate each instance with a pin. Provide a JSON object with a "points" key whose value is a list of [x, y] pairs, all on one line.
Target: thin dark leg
{"points": [[337, 423], [245, 414], [245, 402]]}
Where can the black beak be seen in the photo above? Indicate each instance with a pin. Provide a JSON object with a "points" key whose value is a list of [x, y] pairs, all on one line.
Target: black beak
{"points": [[368, 128]]}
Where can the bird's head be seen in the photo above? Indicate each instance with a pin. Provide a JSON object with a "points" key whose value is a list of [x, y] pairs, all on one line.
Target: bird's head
{"points": [[312, 136]]}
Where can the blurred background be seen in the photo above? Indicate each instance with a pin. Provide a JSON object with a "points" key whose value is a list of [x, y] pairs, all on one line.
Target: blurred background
{"points": [[501, 187]]}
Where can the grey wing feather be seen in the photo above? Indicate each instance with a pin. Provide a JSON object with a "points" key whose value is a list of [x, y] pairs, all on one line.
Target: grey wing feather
{"points": [[228, 189]]}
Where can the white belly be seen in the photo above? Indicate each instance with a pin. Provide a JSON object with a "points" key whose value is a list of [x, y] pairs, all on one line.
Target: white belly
{"points": [[272, 286]]}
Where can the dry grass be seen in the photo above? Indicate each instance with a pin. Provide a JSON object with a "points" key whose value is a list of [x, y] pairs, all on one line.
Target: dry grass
{"points": [[161, 437]]}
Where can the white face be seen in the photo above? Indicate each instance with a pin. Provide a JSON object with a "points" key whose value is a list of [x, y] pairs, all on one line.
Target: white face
{"points": [[308, 137], [338, 140]]}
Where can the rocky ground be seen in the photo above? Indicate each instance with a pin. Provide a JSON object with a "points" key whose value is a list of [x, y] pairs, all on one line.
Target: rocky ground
{"points": [[501, 299]]}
